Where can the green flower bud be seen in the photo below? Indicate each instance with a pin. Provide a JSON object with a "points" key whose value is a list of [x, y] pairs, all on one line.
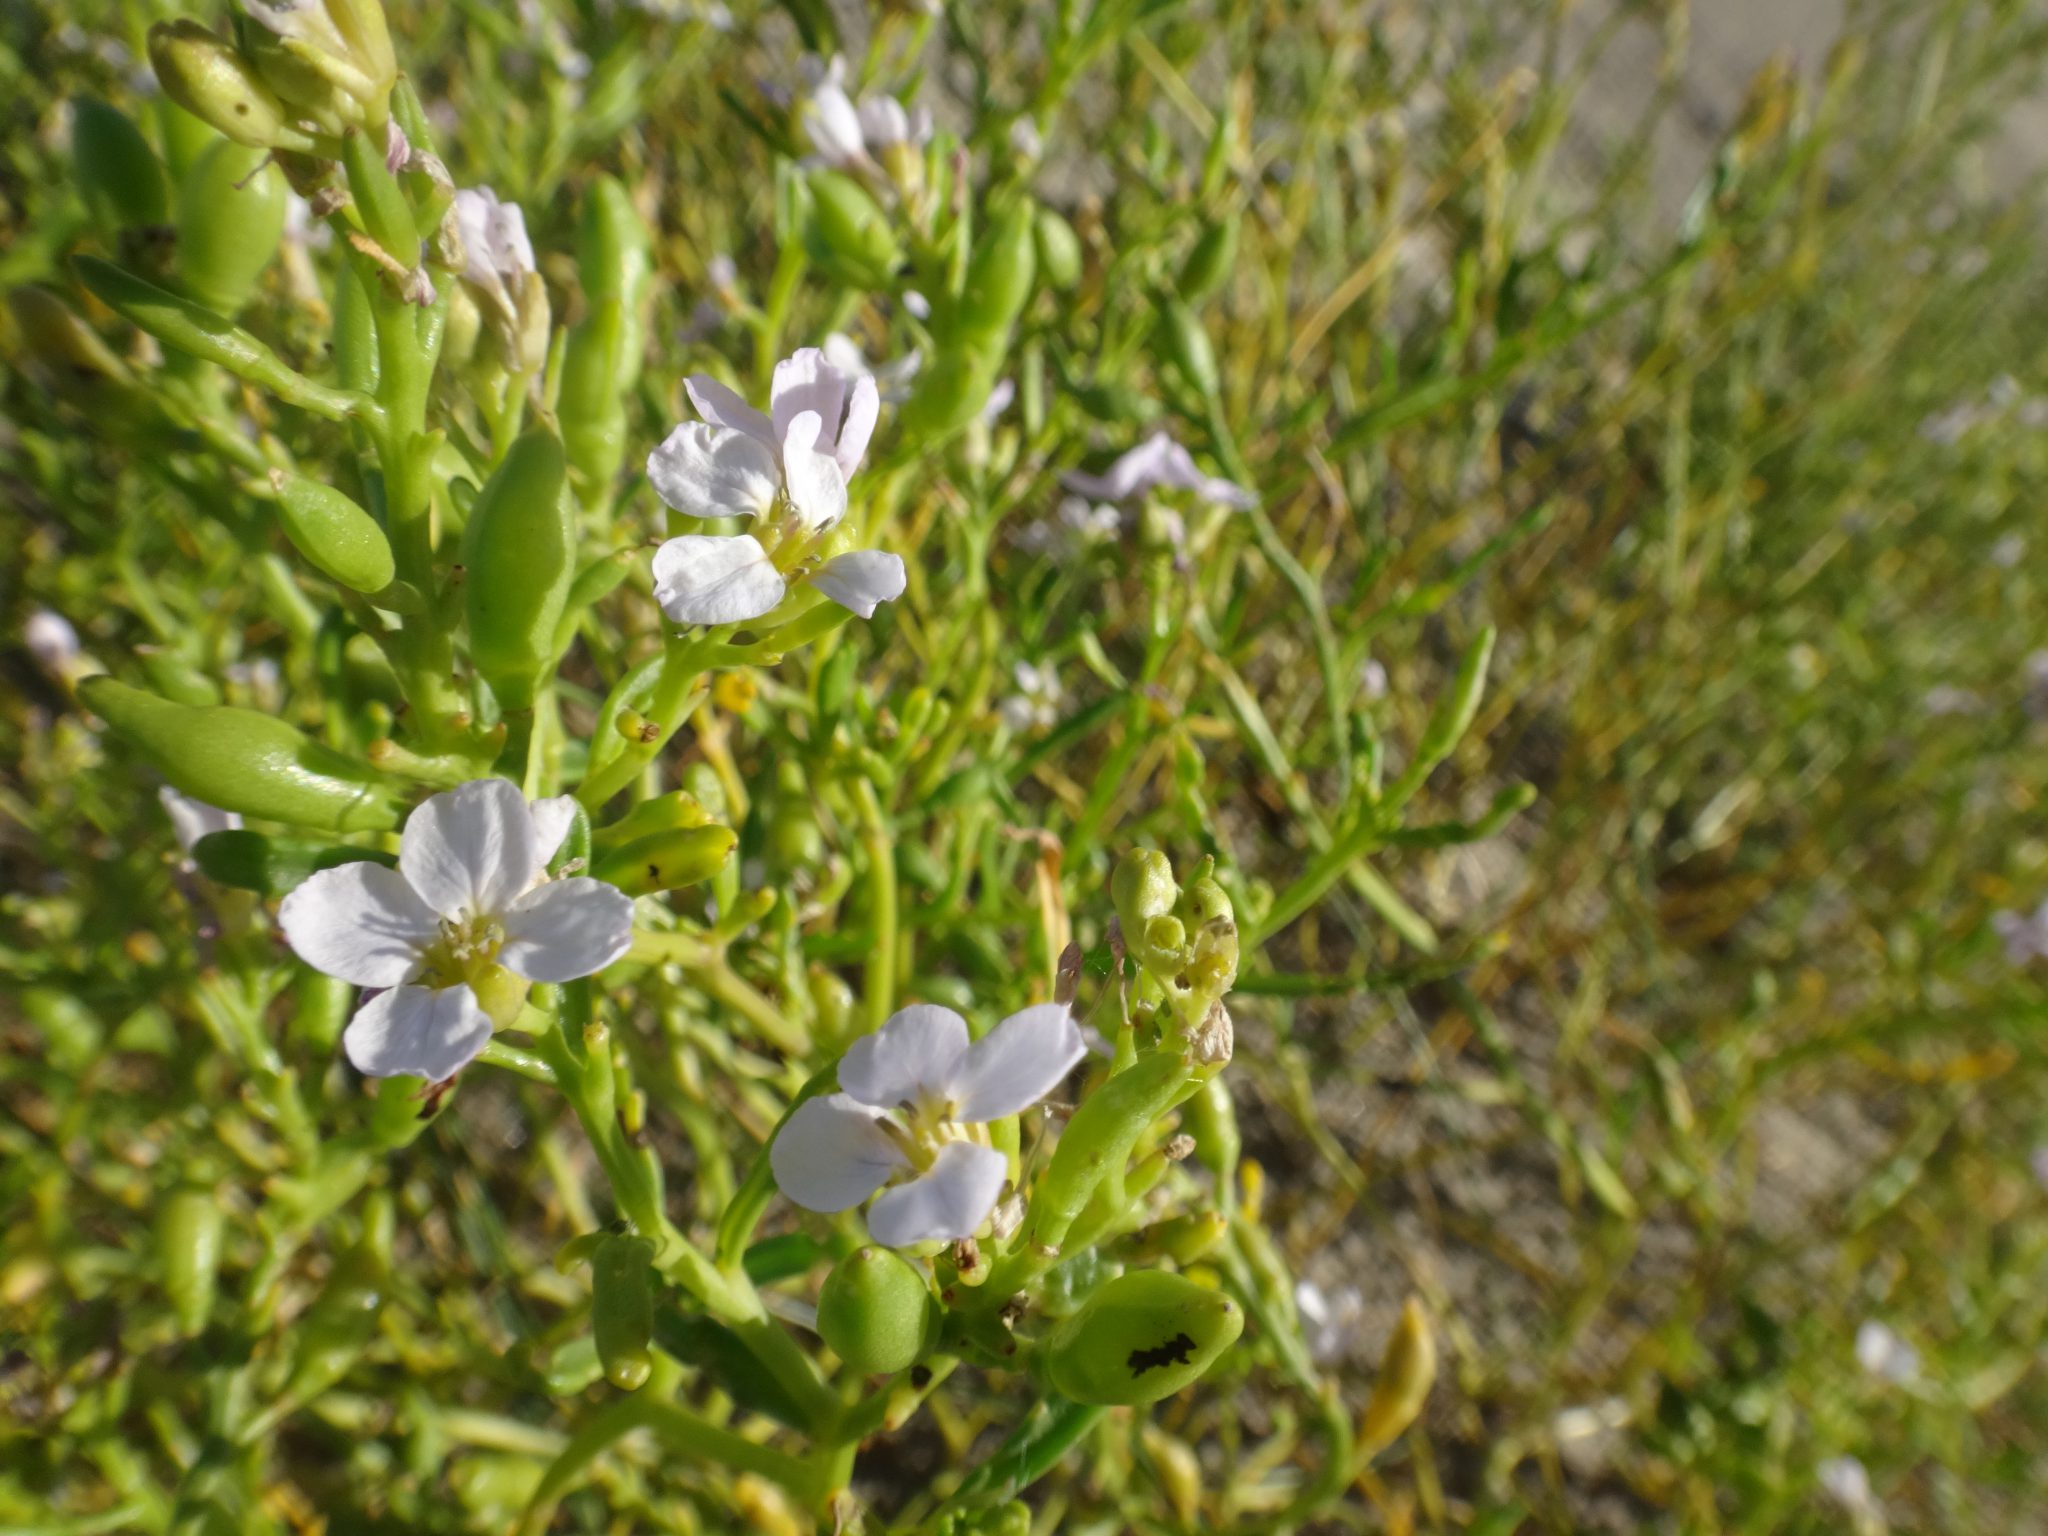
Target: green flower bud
{"points": [[1211, 1118], [591, 403], [273, 866], [332, 59], [1059, 249], [1407, 1371], [243, 761], [876, 1312], [572, 1367], [230, 219], [622, 1309], [337, 537], [118, 173], [999, 275], [321, 1005], [951, 390], [356, 363], [1141, 889], [1210, 261], [667, 861], [613, 249], [1186, 1239], [832, 1002], [213, 82], [675, 811], [848, 234], [519, 553], [188, 1233], [379, 200], [1139, 1338]]}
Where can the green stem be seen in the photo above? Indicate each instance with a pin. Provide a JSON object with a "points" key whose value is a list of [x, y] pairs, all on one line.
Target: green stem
{"points": [[879, 977]]}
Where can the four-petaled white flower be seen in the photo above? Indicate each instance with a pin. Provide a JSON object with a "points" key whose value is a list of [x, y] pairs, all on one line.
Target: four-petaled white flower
{"points": [[471, 891], [1037, 699], [1159, 462], [848, 136], [914, 1098], [496, 255], [786, 469]]}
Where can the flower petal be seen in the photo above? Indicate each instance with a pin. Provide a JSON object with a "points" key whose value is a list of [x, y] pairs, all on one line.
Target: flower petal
{"points": [[918, 1050], [359, 922], [807, 381], [703, 578], [1018, 1063], [715, 472], [723, 408], [861, 578], [831, 1155], [552, 820], [863, 406], [417, 1032], [472, 849], [817, 490], [949, 1201], [564, 929]]}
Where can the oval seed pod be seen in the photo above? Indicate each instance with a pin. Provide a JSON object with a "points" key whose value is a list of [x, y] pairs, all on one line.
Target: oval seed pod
{"points": [[1141, 889], [273, 866], [184, 137], [337, 537], [209, 79], [1189, 349], [119, 174], [667, 861], [1407, 1371], [230, 222], [321, 1005], [622, 1309], [1211, 1118], [240, 760], [188, 1236], [1210, 261], [1059, 249], [847, 233], [876, 1311], [591, 402], [1139, 1338], [999, 275], [951, 390], [356, 363], [519, 548], [676, 811]]}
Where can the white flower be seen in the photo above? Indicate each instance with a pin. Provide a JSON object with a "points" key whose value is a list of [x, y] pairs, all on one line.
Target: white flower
{"points": [[193, 819], [1158, 461], [50, 640], [1847, 1482], [1372, 679], [1037, 699], [470, 892], [914, 1096], [886, 123], [1026, 142], [1885, 1355], [1330, 1322], [787, 470], [496, 255], [847, 136], [999, 400], [2025, 934], [892, 380]]}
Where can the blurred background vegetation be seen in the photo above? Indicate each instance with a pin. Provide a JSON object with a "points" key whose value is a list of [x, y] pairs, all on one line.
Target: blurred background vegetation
{"points": [[1725, 400]]}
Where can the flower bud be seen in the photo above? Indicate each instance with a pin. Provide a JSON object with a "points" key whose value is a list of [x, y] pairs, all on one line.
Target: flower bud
{"points": [[519, 554], [1187, 1239], [1142, 888], [591, 402], [337, 537], [848, 234], [188, 1233], [239, 760], [331, 59], [1211, 1118], [356, 363], [622, 1309], [231, 209], [118, 173], [1406, 1373], [667, 861], [272, 866], [950, 391], [209, 79], [876, 1312], [1059, 249], [1139, 1338]]}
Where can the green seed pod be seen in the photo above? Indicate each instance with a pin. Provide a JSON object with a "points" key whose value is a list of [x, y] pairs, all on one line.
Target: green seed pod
{"points": [[951, 390], [1142, 888], [188, 1233], [832, 1003], [386, 215], [1210, 261], [848, 234], [321, 1005], [273, 866], [1186, 1239], [612, 245], [1188, 347], [667, 861], [1140, 1338], [356, 364], [1211, 1118], [337, 537], [622, 1309], [213, 82], [1059, 249], [240, 760], [591, 402], [999, 275], [1407, 1371], [119, 174], [519, 549], [572, 1366], [1455, 711], [185, 138], [876, 1312], [230, 220], [676, 811]]}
